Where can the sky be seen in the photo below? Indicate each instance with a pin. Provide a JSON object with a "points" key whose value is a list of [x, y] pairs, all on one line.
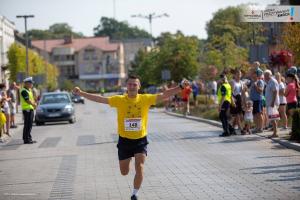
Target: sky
{"points": [[188, 16]]}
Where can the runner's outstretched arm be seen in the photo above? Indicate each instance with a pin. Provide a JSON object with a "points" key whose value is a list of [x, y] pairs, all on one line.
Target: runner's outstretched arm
{"points": [[92, 97], [171, 92]]}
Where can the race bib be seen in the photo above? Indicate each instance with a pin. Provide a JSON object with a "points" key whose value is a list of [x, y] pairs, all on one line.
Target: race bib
{"points": [[133, 124]]}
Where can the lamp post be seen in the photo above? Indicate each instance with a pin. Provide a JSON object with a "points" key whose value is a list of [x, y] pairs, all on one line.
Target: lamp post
{"points": [[26, 35], [150, 17]]}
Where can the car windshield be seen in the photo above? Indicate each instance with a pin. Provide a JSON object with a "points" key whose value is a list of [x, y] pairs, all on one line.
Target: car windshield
{"points": [[55, 98]]}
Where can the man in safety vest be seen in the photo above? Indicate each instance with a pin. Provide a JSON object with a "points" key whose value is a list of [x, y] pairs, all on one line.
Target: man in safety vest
{"points": [[225, 99], [28, 105], [132, 109]]}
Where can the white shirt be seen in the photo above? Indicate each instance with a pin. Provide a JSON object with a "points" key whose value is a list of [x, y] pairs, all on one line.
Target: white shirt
{"points": [[237, 88], [282, 99]]}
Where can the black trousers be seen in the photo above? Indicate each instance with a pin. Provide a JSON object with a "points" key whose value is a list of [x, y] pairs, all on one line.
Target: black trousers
{"points": [[224, 116], [28, 121]]}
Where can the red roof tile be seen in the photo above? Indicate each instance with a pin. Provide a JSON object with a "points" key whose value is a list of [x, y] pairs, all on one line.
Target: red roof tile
{"points": [[78, 43]]}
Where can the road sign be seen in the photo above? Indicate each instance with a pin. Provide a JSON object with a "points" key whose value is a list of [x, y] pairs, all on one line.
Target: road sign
{"points": [[165, 74]]}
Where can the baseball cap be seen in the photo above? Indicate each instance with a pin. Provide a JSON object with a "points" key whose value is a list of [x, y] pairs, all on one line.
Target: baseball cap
{"points": [[28, 79]]}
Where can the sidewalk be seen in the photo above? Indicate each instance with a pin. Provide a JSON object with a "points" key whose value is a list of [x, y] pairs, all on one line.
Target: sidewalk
{"points": [[282, 139]]}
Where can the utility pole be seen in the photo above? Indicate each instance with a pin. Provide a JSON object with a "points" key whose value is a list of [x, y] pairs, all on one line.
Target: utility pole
{"points": [[114, 8], [26, 35], [150, 17]]}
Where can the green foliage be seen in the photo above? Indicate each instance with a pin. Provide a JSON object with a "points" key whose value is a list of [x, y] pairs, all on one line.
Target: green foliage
{"points": [[67, 85], [118, 30], [228, 41], [37, 65], [175, 52], [296, 125], [55, 31], [227, 21]]}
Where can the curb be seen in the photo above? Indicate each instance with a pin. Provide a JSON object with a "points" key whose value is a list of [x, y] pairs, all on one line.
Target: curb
{"points": [[207, 121], [285, 143]]}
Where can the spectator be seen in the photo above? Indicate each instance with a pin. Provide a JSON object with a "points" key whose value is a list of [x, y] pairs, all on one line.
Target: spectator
{"points": [[12, 94], [248, 117], [6, 108], [195, 89], [185, 94], [237, 111], [2, 120], [256, 95], [282, 100], [291, 93], [272, 100]]}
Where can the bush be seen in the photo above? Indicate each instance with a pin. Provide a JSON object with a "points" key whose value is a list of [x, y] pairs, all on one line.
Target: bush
{"points": [[296, 125], [204, 100]]}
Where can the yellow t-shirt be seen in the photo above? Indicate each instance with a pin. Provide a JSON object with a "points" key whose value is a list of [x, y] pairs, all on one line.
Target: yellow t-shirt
{"points": [[132, 114]]}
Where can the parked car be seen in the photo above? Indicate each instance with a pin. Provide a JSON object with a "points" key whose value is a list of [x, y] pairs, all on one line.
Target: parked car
{"points": [[54, 107], [77, 99]]}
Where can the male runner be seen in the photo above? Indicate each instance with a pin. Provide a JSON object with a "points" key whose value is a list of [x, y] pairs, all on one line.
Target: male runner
{"points": [[132, 109]]}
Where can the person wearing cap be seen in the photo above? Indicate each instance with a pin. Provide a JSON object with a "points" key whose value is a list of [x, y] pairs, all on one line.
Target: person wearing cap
{"points": [[224, 96], [28, 105], [256, 96]]}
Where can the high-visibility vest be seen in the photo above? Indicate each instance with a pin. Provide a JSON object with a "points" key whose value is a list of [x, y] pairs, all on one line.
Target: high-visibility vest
{"points": [[24, 104], [227, 95]]}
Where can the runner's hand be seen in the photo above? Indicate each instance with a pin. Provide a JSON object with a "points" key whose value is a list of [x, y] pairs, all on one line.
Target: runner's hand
{"points": [[76, 90]]}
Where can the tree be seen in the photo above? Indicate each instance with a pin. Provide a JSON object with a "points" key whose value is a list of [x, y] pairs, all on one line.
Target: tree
{"points": [[118, 30], [55, 31], [227, 21], [291, 40], [175, 52], [37, 65]]}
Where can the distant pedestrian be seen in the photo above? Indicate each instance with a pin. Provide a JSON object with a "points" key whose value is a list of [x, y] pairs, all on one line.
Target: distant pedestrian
{"points": [[195, 89], [185, 97], [28, 105]]}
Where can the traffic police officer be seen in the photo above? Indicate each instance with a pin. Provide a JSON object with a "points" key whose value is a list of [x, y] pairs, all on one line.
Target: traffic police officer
{"points": [[28, 105], [225, 99]]}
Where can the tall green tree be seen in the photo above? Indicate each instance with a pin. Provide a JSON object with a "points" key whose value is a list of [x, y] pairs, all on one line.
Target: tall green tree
{"points": [[227, 21], [55, 31], [117, 30]]}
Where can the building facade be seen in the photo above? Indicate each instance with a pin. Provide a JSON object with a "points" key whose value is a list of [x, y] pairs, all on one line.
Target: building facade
{"points": [[131, 48], [7, 38], [93, 63]]}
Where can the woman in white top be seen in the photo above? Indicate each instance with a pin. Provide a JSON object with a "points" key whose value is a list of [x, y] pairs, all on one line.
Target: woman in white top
{"points": [[237, 111], [282, 99]]}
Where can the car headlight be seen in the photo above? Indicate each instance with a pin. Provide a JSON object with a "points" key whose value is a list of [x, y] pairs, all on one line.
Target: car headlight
{"points": [[39, 110], [68, 109]]}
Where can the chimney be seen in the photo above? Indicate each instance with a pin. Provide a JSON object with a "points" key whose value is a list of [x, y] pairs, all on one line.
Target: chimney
{"points": [[68, 39]]}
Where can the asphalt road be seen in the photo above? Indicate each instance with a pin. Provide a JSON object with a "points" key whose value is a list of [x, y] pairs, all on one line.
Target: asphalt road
{"points": [[186, 160]]}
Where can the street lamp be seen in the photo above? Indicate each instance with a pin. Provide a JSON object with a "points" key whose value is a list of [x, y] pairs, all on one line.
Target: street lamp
{"points": [[26, 35], [150, 17]]}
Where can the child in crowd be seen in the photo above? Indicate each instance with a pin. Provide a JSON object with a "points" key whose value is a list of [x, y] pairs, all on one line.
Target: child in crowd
{"points": [[248, 117]]}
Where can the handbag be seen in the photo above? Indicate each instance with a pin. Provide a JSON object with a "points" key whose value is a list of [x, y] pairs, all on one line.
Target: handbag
{"points": [[273, 113]]}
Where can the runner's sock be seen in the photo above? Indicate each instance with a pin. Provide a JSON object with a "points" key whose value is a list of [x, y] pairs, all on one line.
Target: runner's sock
{"points": [[135, 192]]}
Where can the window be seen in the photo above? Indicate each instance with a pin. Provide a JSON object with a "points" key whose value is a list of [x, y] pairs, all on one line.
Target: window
{"points": [[89, 54]]}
